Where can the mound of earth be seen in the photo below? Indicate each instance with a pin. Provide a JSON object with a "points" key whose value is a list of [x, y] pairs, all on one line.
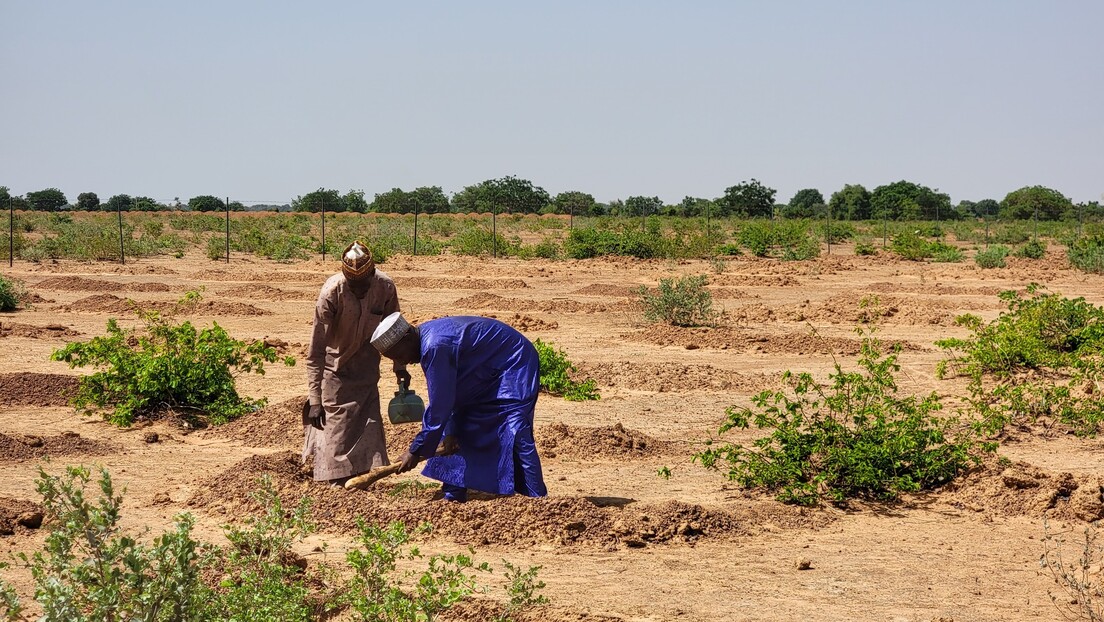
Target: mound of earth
{"points": [[30, 331], [491, 520], [615, 441], [108, 303], [263, 277], [81, 284], [526, 323], [848, 308], [33, 389], [727, 338], [487, 300], [608, 289], [935, 289], [753, 280], [673, 377], [424, 282], [18, 514], [260, 291], [1021, 489], [28, 447]]}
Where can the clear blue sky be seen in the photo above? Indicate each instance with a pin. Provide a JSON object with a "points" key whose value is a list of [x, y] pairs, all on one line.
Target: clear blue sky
{"points": [[266, 101]]}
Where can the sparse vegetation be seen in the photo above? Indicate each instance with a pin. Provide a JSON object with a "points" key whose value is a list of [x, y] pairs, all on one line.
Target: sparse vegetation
{"points": [[1074, 564], [555, 375], [681, 302], [991, 258], [11, 294]]}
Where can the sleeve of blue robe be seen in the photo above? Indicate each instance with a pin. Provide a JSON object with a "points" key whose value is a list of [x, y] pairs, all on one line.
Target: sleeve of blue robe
{"points": [[440, 367]]}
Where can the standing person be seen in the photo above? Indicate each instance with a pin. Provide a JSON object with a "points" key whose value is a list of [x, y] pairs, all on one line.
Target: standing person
{"points": [[342, 423], [483, 378]]}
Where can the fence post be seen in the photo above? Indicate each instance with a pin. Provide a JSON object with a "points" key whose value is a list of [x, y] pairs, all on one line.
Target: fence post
{"points": [[227, 229], [11, 232], [828, 227], [494, 229], [415, 228], [987, 228], [122, 256], [884, 229], [323, 229]]}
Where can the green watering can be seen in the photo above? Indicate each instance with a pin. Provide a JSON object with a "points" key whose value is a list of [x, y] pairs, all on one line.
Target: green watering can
{"points": [[405, 407]]}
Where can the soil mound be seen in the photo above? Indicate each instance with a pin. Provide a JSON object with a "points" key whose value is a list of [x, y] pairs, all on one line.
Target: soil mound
{"points": [[425, 282], [848, 308], [243, 276], [673, 377], [486, 519], [81, 284], [28, 447], [526, 323], [1021, 489], [260, 291], [108, 303], [32, 389], [727, 338], [18, 514], [615, 441], [935, 289], [487, 300], [30, 331], [753, 280], [607, 289]]}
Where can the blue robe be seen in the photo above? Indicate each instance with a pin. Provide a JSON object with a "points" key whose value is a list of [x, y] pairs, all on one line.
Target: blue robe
{"points": [[482, 377]]}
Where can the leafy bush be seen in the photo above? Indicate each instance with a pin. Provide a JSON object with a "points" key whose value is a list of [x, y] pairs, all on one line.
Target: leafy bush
{"points": [[1034, 249], [216, 249], [1010, 234], [851, 437], [946, 253], [89, 570], [1041, 356], [166, 365], [521, 590], [991, 258], [865, 248], [479, 241], [685, 302], [807, 248], [11, 294], [911, 246], [555, 375], [1087, 254]]}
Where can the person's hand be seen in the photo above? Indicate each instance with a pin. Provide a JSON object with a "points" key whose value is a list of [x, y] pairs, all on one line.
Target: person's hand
{"points": [[403, 377], [450, 445], [407, 461], [317, 416]]}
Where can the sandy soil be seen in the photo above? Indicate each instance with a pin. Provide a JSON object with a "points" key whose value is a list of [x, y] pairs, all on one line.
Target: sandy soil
{"points": [[616, 541]]}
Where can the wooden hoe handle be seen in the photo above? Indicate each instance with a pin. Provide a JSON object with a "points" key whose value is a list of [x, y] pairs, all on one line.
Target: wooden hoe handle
{"points": [[364, 480]]}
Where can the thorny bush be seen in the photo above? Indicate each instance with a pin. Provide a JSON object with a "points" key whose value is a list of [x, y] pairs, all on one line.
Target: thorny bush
{"points": [[851, 437], [555, 375], [682, 302]]}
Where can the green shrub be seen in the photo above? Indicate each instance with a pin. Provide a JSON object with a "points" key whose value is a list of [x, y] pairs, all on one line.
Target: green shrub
{"points": [[585, 243], [682, 302], [547, 248], [1010, 234], [480, 242], [1087, 254], [216, 249], [11, 294], [946, 253], [991, 258], [807, 248], [911, 246], [1034, 249], [555, 375], [850, 437], [865, 248], [90, 570], [166, 365], [729, 250], [836, 231], [521, 590], [757, 236]]}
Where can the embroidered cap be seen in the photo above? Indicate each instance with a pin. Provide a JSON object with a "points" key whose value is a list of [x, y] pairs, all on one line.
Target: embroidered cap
{"points": [[356, 262], [390, 330]]}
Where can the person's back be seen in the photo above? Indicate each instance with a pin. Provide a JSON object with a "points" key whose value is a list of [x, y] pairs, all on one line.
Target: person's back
{"points": [[493, 361]]}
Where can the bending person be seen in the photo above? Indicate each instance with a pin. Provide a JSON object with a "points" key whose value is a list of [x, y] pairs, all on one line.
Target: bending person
{"points": [[482, 377], [342, 425]]}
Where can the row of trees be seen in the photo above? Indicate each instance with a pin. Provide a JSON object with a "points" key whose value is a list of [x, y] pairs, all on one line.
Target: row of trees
{"points": [[901, 200]]}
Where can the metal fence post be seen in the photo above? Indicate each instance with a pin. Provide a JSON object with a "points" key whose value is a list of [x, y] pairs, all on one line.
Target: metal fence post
{"points": [[11, 232], [227, 229], [323, 228], [494, 229], [828, 227], [122, 255], [415, 228]]}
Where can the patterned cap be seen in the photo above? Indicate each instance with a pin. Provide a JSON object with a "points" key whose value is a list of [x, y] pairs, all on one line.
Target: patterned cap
{"points": [[390, 330], [356, 262]]}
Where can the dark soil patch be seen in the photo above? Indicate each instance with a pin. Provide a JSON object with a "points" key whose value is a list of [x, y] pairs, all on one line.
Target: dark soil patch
{"points": [[423, 282], [488, 520], [615, 441], [30, 331], [32, 389], [1020, 489], [18, 515], [29, 447], [108, 303], [673, 377], [81, 284]]}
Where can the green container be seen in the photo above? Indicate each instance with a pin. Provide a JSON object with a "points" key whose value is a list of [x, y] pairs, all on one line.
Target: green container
{"points": [[405, 407]]}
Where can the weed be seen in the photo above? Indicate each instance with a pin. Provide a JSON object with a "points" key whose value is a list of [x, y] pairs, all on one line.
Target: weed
{"points": [[1075, 565], [664, 472], [911, 246], [1087, 254], [718, 265], [852, 437], [991, 258], [555, 375], [521, 590], [865, 248], [12, 294], [412, 489], [11, 609], [1034, 249], [682, 302], [165, 365], [946, 253]]}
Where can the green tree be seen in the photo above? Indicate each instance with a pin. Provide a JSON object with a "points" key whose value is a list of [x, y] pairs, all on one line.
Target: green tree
{"points": [[354, 201], [509, 194], [694, 206], [48, 200], [430, 200], [88, 201], [852, 202], [1025, 203], [904, 200], [749, 199], [119, 203], [574, 202], [394, 201], [643, 206], [805, 204], [315, 201], [146, 204], [206, 203]]}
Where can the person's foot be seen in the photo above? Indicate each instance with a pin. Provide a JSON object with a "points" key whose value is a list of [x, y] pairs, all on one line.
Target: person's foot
{"points": [[456, 494]]}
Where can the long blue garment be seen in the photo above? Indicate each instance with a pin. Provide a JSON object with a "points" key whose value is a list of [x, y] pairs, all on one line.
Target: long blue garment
{"points": [[483, 378]]}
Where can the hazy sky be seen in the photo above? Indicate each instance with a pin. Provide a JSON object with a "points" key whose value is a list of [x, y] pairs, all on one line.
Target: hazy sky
{"points": [[266, 101]]}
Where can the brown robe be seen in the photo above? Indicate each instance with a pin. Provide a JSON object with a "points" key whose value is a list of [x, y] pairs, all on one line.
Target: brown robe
{"points": [[343, 372]]}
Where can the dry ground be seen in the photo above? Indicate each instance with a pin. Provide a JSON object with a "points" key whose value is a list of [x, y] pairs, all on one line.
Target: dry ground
{"points": [[616, 541]]}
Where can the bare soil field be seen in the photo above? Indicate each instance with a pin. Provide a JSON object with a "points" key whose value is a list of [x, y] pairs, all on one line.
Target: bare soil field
{"points": [[616, 541]]}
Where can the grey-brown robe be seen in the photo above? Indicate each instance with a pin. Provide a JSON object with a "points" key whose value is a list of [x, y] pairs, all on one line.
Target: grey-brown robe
{"points": [[343, 372]]}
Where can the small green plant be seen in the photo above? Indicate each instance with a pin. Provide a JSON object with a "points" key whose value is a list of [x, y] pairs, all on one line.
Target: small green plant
{"points": [[411, 489], [11, 294], [865, 249], [1034, 249], [166, 366], [90, 570], [718, 265], [991, 258], [555, 375], [911, 246], [1087, 254], [664, 472], [522, 589], [682, 302], [946, 253], [851, 437], [216, 249], [11, 609]]}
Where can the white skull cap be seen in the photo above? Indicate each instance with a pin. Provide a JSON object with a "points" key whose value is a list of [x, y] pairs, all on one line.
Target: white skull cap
{"points": [[390, 330]]}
